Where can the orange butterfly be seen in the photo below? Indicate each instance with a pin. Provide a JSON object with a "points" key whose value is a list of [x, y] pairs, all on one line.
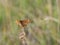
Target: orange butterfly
{"points": [[23, 23]]}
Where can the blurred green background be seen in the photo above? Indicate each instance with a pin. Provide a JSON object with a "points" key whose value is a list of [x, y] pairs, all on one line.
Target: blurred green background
{"points": [[44, 28]]}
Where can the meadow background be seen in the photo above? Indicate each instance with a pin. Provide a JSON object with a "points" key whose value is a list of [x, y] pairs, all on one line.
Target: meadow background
{"points": [[44, 28]]}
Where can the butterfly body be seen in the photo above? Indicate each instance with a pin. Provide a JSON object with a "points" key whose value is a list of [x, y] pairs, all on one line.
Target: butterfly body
{"points": [[23, 23]]}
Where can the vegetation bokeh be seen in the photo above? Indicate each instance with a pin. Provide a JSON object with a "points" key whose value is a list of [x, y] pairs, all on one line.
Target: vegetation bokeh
{"points": [[44, 28]]}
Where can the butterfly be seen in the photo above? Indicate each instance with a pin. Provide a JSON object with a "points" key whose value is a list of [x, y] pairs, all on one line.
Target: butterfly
{"points": [[23, 23]]}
